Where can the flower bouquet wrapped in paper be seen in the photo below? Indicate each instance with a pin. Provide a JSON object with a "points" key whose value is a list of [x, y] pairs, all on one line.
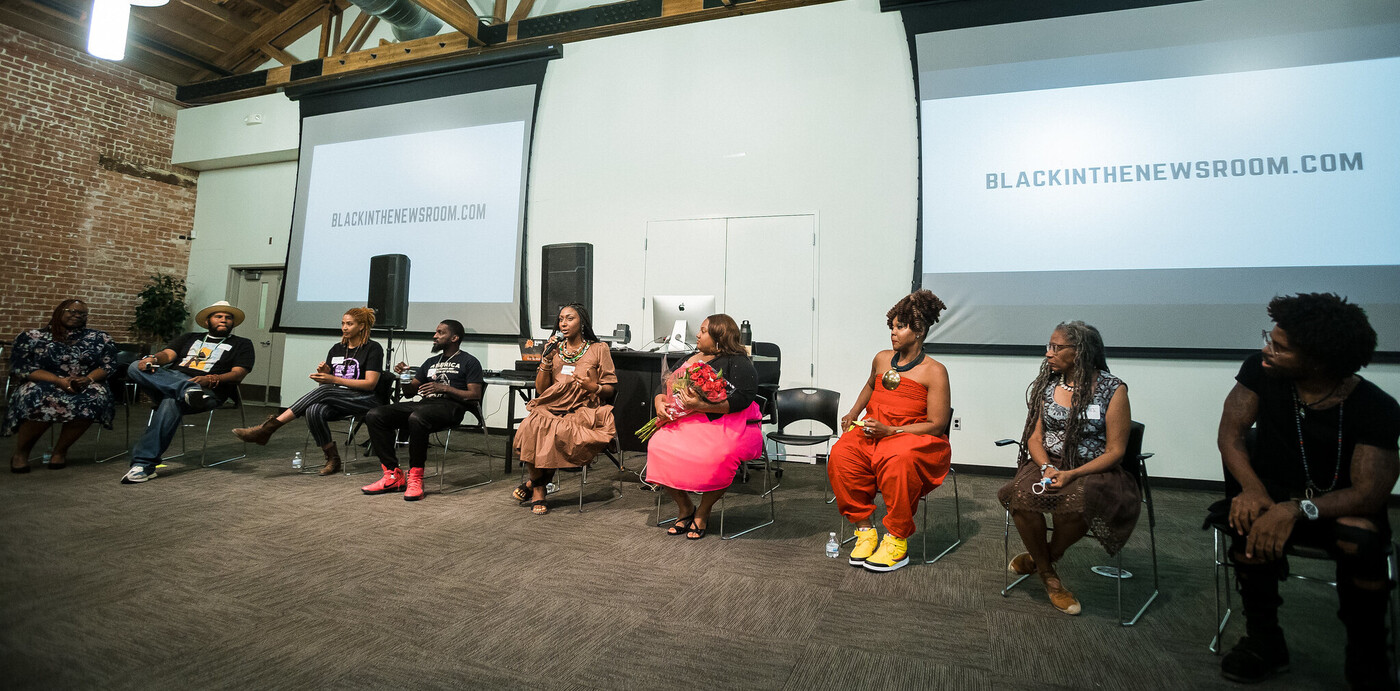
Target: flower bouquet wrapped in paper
{"points": [[707, 383]]}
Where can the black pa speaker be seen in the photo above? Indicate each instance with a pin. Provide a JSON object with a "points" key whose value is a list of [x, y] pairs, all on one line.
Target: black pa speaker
{"points": [[388, 290], [566, 276]]}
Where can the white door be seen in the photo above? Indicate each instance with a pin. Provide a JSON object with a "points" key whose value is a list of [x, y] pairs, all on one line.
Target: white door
{"points": [[257, 297], [770, 280]]}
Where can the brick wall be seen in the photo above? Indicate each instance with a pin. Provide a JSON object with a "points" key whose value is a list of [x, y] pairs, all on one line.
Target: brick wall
{"points": [[69, 225]]}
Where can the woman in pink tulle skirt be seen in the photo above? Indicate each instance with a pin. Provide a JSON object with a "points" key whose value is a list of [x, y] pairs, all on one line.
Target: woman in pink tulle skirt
{"points": [[700, 450]]}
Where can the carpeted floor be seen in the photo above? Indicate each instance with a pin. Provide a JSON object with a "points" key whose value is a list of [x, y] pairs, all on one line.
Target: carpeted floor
{"points": [[250, 575]]}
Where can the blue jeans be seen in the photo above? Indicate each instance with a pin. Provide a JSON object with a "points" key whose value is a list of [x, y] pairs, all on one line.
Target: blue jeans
{"points": [[166, 387]]}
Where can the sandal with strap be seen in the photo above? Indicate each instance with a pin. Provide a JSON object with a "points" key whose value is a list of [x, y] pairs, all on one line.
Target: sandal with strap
{"points": [[522, 493], [695, 533], [539, 507], [678, 529]]}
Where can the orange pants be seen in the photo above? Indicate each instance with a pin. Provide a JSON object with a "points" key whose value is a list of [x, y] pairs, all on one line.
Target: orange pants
{"points": [[902, 467]]}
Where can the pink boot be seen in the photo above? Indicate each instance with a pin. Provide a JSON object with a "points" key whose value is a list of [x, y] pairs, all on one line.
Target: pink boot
{"points": [[391, 482], [414, 492]]}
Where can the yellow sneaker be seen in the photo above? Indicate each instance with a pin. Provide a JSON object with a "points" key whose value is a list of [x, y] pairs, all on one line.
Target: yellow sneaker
{"points": [[893, 554], [866, 541]]}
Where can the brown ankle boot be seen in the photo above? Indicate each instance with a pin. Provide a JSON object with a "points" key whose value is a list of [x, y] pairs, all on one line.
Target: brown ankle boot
{"points": [[260, 434], [332, 459]]}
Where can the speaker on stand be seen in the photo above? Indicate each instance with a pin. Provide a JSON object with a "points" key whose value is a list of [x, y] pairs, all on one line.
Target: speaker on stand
{"points": [[388, 295], [566, 277]]}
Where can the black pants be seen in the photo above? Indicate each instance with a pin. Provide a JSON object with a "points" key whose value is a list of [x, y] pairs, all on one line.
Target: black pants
{"points": [[1360, 556], [420, 418]]}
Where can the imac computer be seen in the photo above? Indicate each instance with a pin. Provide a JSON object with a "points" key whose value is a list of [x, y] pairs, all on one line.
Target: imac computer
{"points": [[676, 319]]}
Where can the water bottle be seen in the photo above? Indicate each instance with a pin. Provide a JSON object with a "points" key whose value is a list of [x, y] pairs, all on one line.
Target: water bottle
{"points": [[296, 464], [745, 334], [833, 547]]}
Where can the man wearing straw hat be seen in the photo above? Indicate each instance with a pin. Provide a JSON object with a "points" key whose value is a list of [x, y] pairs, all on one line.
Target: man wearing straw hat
{"points": [[194, 373]]}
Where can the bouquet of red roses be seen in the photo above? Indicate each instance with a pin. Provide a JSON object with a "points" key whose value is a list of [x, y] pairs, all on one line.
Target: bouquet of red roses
{"points": [[706, 381]]}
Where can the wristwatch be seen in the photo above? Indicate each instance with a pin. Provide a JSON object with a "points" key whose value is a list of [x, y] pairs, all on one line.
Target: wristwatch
{"points": [[1309, 509]]}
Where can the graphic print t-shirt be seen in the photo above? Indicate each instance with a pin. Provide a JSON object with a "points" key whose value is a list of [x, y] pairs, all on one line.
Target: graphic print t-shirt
{"points": [[458, 371], [197, 354], [353, 363]]}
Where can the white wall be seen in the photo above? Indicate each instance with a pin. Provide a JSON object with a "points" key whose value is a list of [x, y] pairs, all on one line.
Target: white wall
{"points": [[806, 111]]}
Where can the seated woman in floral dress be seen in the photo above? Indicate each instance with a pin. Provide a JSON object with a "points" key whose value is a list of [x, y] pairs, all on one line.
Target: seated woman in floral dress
{"points": [[61, 367]]}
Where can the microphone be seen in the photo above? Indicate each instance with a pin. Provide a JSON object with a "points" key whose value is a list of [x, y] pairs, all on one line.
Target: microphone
{"points": [[554, 339]]}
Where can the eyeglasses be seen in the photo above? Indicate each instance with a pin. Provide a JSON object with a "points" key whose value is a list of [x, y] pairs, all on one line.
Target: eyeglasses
{"points": [[1053, 348], [1270, 344], [76, 313]]}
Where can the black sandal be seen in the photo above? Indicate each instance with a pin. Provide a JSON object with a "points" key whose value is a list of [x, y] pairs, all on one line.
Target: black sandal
{"points": [[698, 532], [522, 493], [677, 529], [540, 504]]}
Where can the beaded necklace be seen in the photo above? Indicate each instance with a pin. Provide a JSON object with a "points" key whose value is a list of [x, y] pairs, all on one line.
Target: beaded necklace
{"points": [[1337, 471], [572, 358]]}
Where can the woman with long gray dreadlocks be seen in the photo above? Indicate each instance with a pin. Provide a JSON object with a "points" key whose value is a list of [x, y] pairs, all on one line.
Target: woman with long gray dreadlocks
{"points": [[1076, 431]]}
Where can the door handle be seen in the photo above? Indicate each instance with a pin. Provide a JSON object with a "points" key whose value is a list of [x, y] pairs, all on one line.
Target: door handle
{"points": [[265, 343]]}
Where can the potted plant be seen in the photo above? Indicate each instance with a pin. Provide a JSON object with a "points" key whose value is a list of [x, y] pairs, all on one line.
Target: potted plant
{"points": [[162, 313]]}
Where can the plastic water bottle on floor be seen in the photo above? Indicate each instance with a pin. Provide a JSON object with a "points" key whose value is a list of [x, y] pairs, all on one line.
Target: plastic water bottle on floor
{"points": [[833, 547], [296, 461]]}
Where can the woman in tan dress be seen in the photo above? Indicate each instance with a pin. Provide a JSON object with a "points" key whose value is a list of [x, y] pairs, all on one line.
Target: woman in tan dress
{"points": [[568, 423]]}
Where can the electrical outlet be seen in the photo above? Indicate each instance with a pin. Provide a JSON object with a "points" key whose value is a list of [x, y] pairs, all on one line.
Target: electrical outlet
{"points": [[253, 119], [957, 423]]}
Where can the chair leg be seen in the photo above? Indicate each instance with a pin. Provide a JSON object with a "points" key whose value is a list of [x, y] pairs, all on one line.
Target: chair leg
{"points": [[442, 469], [1156, 587], [772, 508], [616, 490], [243, 416], [957, 517], [1222, 564], [1006, 559]]}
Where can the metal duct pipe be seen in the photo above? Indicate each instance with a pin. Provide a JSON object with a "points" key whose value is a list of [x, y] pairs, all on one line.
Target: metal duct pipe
{"points": [[408, 20]]}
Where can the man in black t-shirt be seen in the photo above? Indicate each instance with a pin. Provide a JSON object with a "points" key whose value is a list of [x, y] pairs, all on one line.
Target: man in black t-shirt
{"points": [[447, 382], [203, 371], [1319, 474]]}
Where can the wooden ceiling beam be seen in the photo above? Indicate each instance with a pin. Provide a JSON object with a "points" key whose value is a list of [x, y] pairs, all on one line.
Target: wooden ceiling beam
{"points": [[222, 14], [352, 33], [271, 30], [268, 6], [498, 14], [145, 23], [365, 34], [278, 54], [522, 10], [457, 14]]}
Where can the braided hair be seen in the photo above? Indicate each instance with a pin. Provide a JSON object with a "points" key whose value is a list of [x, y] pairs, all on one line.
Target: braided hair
{"points": [[363, 316], [1088, 361]]}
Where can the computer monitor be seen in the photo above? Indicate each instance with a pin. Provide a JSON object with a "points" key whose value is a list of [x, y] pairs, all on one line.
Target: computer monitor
{"points": [[677, 318]]}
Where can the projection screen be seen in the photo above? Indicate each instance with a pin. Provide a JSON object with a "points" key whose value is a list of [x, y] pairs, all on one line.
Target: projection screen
{"points": [[1160, 172], [432, 166]]}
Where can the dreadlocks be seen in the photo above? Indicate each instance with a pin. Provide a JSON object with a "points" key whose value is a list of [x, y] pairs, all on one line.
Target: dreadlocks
{"points": [[1088, 360]]}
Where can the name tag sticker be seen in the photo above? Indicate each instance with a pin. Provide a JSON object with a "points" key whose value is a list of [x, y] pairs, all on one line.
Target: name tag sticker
{"points": [[432, 372], [567, 369], [337, 360], [1093, 412]]}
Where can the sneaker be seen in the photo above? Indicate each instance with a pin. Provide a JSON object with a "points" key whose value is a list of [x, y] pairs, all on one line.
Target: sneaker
{"points": [[866, 541], [138, 474], [893, 554], [393, 481], [1021, 564], [413, 490], [200, 399], [1254, 659]]}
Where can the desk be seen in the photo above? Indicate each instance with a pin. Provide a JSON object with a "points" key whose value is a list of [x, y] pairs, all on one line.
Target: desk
{"points": [[523, 389]]}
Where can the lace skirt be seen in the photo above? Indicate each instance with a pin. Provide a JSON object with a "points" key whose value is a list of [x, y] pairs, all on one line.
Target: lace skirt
{"points": [[1109, 501]]}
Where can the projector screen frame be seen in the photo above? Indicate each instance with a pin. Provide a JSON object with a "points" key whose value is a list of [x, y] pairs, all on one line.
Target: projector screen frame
{"points": [[496, 70], [927, 16]]}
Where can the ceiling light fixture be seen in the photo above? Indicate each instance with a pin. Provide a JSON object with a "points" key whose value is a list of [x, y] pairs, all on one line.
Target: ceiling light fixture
{"points": [[108, 25]]}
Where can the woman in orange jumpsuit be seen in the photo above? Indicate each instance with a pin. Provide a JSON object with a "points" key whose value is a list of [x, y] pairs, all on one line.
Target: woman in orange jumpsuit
{"points": [[900, 449]]}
